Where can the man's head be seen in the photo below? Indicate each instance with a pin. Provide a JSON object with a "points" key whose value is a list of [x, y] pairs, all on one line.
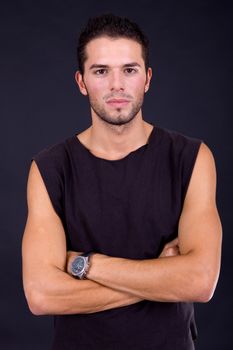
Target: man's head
{"points": [[113, 27], [113, 61]]}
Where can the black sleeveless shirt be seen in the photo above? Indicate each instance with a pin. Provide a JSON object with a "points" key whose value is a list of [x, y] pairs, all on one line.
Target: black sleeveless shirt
{"points": [[130, 208]]}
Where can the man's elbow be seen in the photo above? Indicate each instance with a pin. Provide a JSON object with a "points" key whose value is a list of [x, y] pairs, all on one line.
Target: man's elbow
{"points": [[206, 288], [36, 302], [204, 295]]}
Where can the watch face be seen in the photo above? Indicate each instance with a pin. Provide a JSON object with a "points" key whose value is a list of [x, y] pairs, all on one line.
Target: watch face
{"points": [[77, 265]]}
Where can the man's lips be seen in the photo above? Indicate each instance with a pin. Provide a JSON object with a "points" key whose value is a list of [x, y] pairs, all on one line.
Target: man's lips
{"points": [[117, 102]]}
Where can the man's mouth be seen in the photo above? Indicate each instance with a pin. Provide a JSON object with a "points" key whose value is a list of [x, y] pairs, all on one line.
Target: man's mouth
{"points": [[118, 102]]}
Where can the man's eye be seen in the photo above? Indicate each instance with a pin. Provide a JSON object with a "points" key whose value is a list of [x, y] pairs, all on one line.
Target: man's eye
{"points": [[100, 71], [131, 70]]}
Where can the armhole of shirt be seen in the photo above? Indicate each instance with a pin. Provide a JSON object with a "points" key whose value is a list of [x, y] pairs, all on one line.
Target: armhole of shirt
{"points": [[49, 168], [190, 153]]}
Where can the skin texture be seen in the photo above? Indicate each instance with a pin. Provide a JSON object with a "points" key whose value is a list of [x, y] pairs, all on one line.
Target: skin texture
{"points": [[187, 269]]}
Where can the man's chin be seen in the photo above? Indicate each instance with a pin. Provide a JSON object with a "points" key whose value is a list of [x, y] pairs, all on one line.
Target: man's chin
{"points": [[117, 121]]}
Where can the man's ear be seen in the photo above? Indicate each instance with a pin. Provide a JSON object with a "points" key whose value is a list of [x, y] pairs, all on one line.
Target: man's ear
{"points": [[148, 78], [80, 82]]}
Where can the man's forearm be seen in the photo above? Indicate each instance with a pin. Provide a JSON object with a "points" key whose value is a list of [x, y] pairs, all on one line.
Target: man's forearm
{"points": [[62, 294], [167, 279]]}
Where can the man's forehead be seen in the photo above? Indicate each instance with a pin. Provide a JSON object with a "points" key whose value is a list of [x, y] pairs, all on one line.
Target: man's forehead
{"points": [[107, 51]]}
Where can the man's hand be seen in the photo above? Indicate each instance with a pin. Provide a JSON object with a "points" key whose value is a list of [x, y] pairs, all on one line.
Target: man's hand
{"points": [[170, 249]]}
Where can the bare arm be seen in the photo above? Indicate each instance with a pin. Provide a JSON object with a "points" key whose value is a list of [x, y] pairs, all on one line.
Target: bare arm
{"points": [[49, 289], [190, 276]]}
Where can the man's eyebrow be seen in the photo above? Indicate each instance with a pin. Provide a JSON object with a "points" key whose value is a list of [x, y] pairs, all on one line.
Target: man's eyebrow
{"points": [[131, 64]]}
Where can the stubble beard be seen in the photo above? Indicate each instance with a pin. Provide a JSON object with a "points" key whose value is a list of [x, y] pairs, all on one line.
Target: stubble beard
{"points": [[118, 116]]}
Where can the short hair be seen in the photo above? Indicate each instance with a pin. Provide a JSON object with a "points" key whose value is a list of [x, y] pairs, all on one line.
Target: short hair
{"points": [[114, 27]]}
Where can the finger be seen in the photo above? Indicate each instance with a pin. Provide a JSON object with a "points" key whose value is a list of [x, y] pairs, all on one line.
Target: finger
{"points": [[174, 251], [172, 243]]}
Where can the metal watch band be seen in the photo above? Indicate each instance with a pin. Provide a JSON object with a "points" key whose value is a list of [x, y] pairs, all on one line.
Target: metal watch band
{"points": [[87, 267]]}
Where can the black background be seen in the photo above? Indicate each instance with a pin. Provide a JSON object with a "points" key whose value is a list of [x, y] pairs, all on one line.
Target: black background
{"points": [[191, 92]]}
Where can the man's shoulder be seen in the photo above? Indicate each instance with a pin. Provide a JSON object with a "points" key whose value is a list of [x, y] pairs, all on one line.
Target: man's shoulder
{"points": [[54, 153], [179, 137]]}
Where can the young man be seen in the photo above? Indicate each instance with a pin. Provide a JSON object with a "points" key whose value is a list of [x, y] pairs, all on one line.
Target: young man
{"points": [[123, 233]]}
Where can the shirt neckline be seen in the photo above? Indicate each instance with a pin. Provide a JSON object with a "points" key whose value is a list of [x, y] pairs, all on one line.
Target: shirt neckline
{"points": [[146, 145]]}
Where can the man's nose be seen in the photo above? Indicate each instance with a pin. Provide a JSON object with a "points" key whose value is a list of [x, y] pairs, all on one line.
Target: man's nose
{"points": [[116, 81]]}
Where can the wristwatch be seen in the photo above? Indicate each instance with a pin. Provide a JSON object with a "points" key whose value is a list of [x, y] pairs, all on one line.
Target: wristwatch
{"points": [[80, 265]]}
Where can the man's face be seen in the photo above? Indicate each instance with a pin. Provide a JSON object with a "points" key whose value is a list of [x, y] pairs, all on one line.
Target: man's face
{"points": [[115, 79]]}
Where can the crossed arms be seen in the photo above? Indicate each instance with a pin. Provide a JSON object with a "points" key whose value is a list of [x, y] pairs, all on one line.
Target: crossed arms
{"points": [[187, 269]]}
